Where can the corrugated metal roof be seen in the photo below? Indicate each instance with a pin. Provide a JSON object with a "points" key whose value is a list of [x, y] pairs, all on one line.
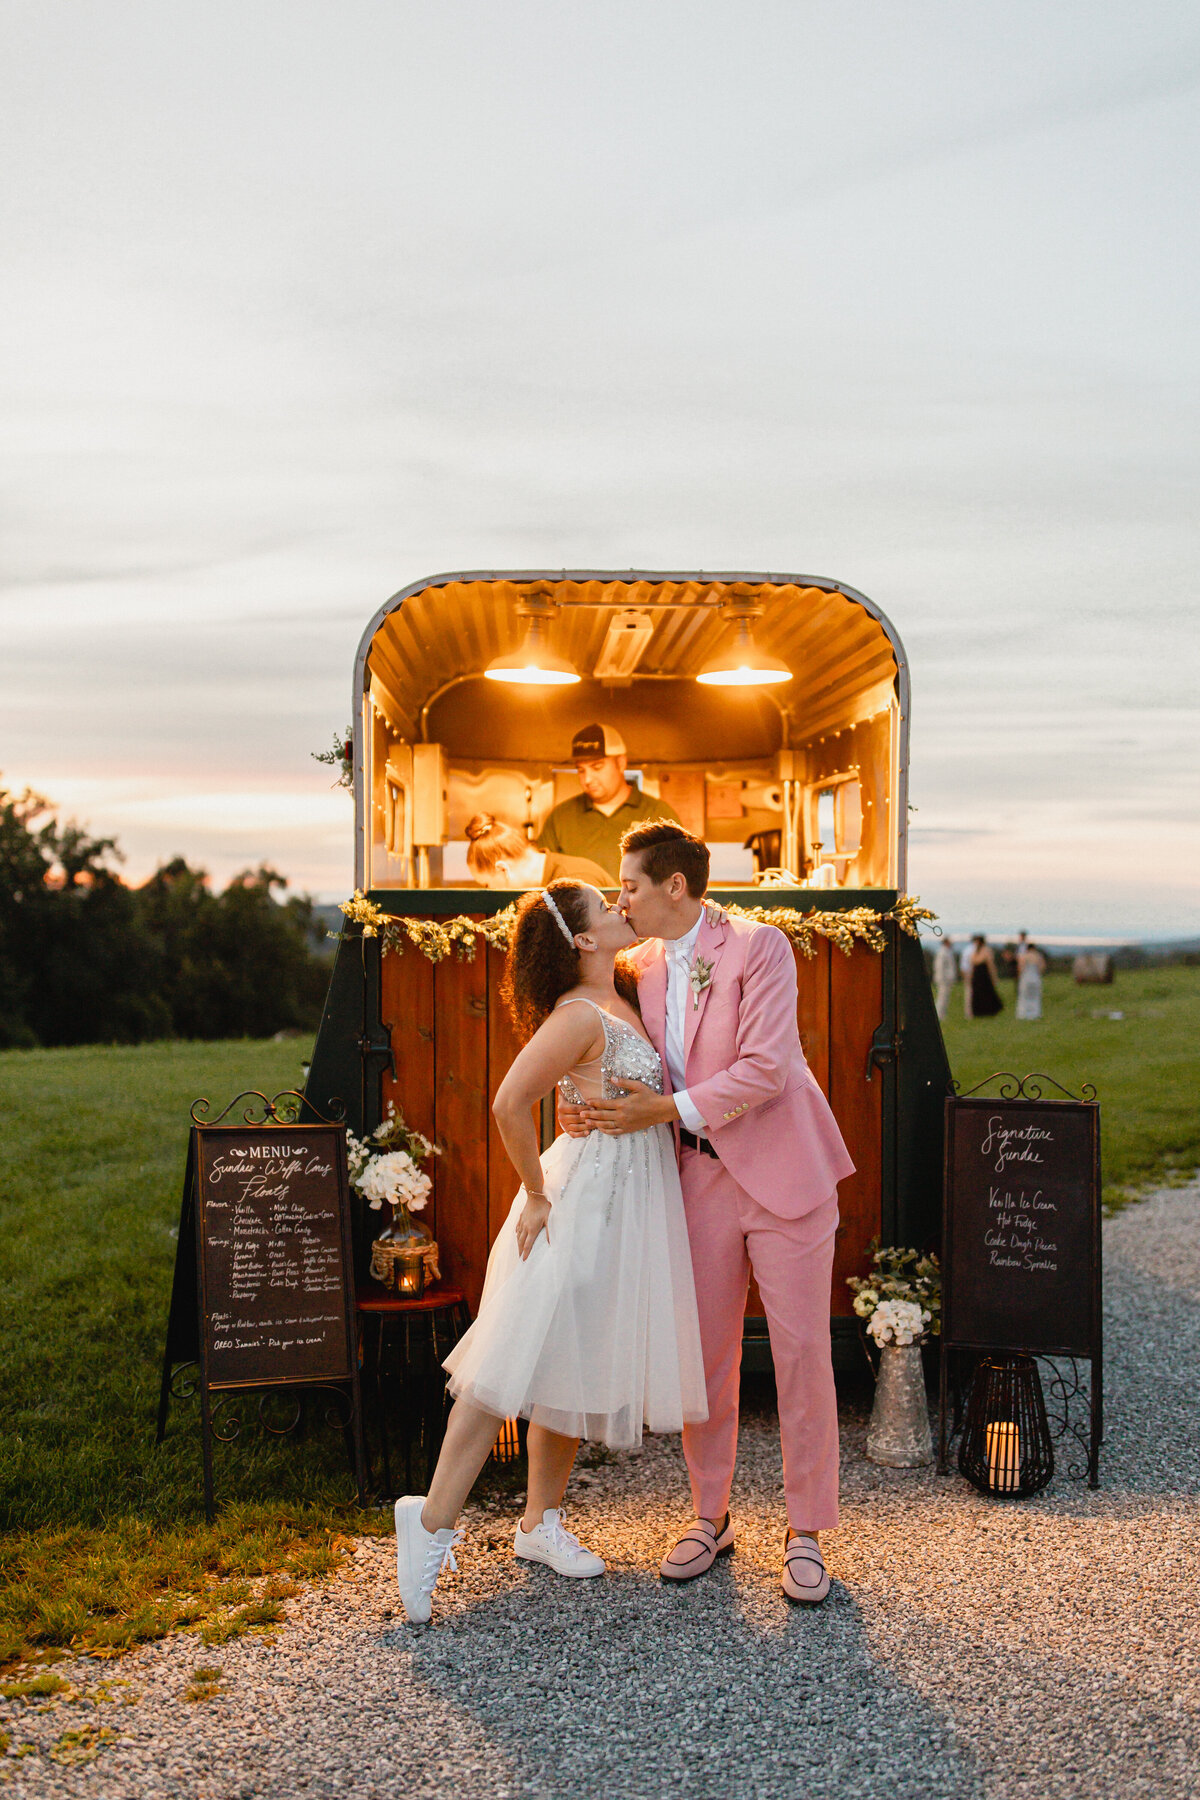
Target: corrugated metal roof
{"points": [[838, 649]]}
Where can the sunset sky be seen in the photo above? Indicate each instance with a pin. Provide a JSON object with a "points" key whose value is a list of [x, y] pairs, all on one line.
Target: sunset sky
{"points": [[303, 302]]}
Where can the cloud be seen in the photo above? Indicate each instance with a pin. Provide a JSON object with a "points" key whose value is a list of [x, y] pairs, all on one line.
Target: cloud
{"points": [[300, 307]]}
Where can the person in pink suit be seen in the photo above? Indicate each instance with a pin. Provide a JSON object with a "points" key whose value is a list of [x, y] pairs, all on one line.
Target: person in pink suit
{"points": [[760, 1157]]}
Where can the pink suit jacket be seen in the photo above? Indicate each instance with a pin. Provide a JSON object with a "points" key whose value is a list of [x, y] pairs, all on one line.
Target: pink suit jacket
{"points": [[769, 1122]]}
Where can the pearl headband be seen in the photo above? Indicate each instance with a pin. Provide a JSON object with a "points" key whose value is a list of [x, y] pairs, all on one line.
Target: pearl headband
{"points": [[557, 917]]}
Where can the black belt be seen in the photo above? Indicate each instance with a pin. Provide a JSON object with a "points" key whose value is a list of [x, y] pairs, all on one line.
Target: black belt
{"points": [[690, 1141]]}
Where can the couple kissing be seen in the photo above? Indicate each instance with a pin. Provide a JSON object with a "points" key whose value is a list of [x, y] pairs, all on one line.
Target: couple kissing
{"points": [[695, 1147]]}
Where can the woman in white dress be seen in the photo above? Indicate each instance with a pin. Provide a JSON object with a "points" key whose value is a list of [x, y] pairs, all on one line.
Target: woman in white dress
{"points": [[588, 1324], [1030, 968]]}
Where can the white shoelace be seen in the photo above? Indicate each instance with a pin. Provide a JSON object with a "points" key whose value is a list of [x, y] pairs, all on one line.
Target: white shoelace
{"points": [[561, 1538], [437, 1558]]}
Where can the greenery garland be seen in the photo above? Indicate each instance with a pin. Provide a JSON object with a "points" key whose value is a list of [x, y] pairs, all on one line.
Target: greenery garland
{"points": [[436, 939]]}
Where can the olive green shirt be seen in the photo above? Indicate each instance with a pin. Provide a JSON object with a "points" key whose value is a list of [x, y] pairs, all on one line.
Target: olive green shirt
{"points": [[577, 828], [574, 868]]}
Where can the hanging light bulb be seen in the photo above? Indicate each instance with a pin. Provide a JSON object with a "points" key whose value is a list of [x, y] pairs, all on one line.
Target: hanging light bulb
{"points": [[533, 663], [744, 664]]}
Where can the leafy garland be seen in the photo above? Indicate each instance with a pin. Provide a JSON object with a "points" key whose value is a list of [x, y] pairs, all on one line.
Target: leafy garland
{"points": [[436, 939]]}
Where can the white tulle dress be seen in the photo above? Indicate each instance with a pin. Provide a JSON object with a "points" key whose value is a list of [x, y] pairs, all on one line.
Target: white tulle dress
{"points": [[595, 1334]]}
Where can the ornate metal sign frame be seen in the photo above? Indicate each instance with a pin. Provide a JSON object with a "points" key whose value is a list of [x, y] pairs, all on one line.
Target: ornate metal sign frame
{"points": [[280, 1402]]}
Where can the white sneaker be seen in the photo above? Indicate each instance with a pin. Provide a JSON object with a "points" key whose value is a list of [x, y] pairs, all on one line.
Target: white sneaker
{"points": [[420, 1557], [550, 1542]]}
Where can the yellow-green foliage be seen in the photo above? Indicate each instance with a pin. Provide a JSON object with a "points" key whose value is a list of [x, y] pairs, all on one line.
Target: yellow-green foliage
{"points": [[106, 1589], [204, 1685]]}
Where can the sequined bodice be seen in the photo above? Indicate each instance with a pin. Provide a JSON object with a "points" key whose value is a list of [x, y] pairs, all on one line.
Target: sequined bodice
{"points": [[627, 1057]]}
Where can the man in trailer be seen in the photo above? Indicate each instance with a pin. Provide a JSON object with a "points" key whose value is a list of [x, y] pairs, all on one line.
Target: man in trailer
{"points": [[592, 824]]}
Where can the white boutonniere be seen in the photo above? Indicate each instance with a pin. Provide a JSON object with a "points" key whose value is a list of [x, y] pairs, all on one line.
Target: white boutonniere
{"points": [[699, 976]]}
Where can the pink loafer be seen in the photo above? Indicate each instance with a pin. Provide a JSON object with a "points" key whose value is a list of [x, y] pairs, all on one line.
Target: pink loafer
{"points": [[805, 1579], [697, 1551]]}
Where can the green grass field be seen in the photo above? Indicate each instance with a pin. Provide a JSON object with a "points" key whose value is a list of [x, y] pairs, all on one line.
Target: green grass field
{"points": [[105, 1543]]}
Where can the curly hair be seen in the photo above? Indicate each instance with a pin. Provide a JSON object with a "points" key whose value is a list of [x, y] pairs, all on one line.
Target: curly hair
{"points": [[541, 966]]}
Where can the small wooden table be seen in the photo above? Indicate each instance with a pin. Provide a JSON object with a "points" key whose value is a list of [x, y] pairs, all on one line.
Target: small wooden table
{"points": [[415, 1334]]}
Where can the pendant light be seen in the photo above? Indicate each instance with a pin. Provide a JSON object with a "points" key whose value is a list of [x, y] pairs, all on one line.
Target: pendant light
{"points": [[744, 664], [533, 663]]}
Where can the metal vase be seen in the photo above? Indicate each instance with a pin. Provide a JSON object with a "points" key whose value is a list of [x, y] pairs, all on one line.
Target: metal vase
{"points": [[898, 1435]]}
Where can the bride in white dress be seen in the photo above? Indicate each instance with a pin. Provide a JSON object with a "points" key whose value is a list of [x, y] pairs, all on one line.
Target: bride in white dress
{"points": [[587, 1326]]}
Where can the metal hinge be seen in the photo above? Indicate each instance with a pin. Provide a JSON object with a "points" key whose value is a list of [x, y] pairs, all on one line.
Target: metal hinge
{"points": [[885, 1048], [368, 1045]]}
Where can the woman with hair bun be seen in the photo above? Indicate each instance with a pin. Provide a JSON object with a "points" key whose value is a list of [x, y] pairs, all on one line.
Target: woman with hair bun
{"points": [[500, 856], [588, 1325]]}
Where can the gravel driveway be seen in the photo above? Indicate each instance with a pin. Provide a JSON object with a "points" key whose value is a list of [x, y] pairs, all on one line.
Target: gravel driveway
{"points": [[968, 1648]]}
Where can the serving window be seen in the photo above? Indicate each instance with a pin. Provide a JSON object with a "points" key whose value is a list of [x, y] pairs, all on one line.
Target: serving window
{"points": [[801, 773]]}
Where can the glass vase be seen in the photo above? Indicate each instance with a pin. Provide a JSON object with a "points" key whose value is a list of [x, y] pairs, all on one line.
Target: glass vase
{"points": [[899, 1435], [403, 1228]]}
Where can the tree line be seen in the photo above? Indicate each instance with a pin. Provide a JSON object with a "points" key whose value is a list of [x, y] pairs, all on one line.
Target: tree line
{"points": [[86, 959]]}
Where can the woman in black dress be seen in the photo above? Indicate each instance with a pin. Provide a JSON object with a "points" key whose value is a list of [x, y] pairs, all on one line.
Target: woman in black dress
{"points": [[985, 1000]]}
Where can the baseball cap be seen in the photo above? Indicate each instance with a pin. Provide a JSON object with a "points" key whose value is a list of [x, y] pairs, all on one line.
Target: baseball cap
{"points": [[591, 741]]}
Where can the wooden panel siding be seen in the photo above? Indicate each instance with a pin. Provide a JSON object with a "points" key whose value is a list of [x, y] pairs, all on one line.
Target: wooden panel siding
{"points": [[812, 1010], [463, 1119], [453, 1044], [406, 994], [502, 1048], [855, 1011]]}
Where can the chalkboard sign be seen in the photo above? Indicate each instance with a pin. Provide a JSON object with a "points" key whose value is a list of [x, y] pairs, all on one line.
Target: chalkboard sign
{"points": [[275, 1263], [1021, 1240], [263, 1295]]}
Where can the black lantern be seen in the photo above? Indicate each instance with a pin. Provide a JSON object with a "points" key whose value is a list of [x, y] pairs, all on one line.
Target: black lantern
{"points": [[1006, 1448]]}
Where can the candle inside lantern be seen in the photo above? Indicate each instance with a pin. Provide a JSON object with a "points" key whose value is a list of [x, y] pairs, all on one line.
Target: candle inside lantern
{"points": [[410, 1273], [1004, 1455]]}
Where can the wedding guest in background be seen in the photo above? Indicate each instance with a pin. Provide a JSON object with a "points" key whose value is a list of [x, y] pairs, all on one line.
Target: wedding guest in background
{"points": [[1006, 960], [499, 855], [945, 974], [964, 964], [985, 999], [1032, 966]]}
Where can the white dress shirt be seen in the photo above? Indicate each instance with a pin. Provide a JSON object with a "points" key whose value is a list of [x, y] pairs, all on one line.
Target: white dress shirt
{"points": [[680, 952]]}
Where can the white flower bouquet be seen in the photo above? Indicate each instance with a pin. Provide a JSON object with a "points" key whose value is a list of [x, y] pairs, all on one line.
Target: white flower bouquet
{"points": [[386, 1165], [901, 1300], [395, 1177], [898, 1322]]}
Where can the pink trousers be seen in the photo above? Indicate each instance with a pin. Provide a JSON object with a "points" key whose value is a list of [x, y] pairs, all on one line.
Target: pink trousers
{"points": [[792, 1259]]}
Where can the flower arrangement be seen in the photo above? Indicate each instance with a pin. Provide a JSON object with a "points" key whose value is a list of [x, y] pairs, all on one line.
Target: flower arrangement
{"points": [[340, 757], [437, 939], [901, 1300], [385, 1166], [898, 1322], [699, 977]]}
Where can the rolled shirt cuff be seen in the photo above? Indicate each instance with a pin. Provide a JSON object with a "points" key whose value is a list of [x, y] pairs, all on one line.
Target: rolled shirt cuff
{"points": [[688, 1114]]}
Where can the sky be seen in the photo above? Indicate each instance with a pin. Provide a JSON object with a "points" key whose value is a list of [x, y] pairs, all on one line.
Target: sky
{"points": [[303, 303]]}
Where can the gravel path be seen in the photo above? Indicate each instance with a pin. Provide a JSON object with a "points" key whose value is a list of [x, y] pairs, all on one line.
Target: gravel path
{"points": [[968, 1648]]}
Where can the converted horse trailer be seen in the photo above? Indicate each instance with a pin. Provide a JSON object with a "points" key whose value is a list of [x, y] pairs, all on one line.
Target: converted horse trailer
{"points": [[772, 713]]}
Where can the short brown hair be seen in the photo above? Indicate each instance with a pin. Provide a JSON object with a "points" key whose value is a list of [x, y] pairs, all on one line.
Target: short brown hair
{"points": [[666, 849]]}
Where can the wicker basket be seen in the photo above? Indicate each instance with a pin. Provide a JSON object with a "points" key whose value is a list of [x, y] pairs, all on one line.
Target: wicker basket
{"points": [[387, 1258]]}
